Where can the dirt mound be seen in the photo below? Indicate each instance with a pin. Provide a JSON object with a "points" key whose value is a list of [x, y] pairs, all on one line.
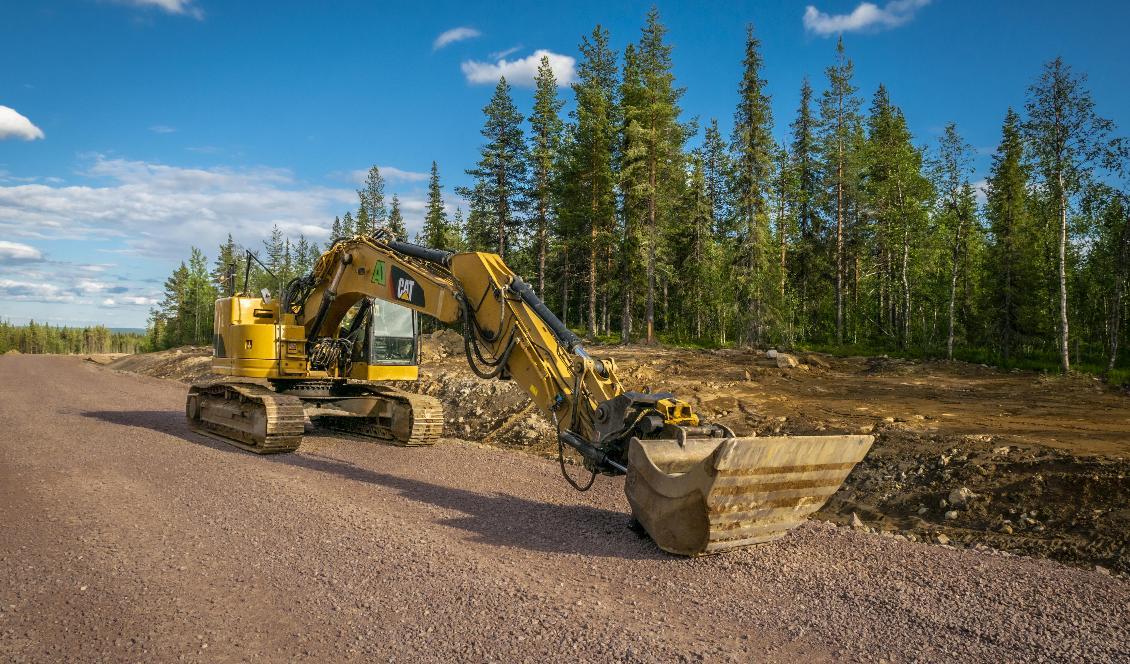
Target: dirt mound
{"points": [[186, 364]]}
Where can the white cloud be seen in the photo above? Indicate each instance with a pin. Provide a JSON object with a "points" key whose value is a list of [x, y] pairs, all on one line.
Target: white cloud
{"points": [[14, 252], [389, 173], [159, 210], [393, 173], [453, 35], [15, 125], [981, 190], [521, 71], [865, 16], [181, 7], [139, 301], [34, 291], [497, 55], [162, 129]]}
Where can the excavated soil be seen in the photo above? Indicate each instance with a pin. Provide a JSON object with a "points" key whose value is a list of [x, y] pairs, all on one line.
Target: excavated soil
{"points": [[965, 455]]}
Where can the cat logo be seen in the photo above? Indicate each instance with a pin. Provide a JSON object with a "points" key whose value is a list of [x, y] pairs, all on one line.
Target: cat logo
{"points": [[405, 288]]}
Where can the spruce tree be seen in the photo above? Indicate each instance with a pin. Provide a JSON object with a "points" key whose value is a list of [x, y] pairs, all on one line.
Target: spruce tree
{"points": [[396, 220], [653, 159], [348, 229], [364, 224], [501, 173], [437, 231], [337, 232], [372, 196], [228, 268], [275, 249], [301, 256], [1010, 275], [753, 149], [588, 215], [805, 157], [546, 128], [953, 167], [839, 123], [895, 197]]}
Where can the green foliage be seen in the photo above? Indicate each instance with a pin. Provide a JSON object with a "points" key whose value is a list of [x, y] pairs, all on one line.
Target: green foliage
{"points": [[372, 212], [42, 338], [437, 232], [499, 195]]}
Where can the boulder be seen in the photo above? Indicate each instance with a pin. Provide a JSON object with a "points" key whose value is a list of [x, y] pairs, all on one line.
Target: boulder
{"points": [[786, 361], [814, 360], [960, 496]]}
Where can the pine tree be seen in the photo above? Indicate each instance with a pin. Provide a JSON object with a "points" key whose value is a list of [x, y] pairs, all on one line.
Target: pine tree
{"points": [[717, 169], [805, 265], [396, 220], [1068, 140], [228, 268], [895, 197], [1010, 275], [173, 308], [546, 128], [500, 176], [953, 167], [839, 123], [700, 260], [753, 148], [301, 256], [336, 233], [457, 224], [275, 250], [372, 196], [652, 169], [588, 214], [348, 229], [437, 231], [479, 233], [364, 224]]}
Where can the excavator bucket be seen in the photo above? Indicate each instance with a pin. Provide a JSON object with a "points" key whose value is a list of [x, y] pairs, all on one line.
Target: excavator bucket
{"points": [[709, 495]]}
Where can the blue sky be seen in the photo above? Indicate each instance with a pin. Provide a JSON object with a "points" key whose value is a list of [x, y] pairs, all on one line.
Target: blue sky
{"points": [[131, 129]]}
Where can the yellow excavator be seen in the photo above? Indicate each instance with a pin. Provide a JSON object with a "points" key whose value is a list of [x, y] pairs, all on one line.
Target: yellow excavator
{"points": [[325, 343]]}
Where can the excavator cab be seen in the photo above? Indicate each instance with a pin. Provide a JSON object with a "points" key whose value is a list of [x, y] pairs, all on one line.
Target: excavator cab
{"points": [[387, 343]]}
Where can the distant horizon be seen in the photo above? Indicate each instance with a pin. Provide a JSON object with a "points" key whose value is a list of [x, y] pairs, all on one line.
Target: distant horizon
{"points": [[132, 130]]}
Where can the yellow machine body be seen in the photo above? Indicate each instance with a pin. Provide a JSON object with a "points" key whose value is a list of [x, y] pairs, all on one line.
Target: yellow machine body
{"points": [[253, 341]]}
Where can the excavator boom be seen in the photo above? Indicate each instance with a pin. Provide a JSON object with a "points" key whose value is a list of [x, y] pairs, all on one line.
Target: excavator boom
{"points": [[694, 486]]}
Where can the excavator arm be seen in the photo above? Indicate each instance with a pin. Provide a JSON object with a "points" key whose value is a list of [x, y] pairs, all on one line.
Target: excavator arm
{"points": [[694, 486]]}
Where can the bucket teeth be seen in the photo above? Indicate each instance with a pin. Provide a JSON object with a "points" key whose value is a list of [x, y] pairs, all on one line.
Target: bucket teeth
{"points": [[711, 495]]}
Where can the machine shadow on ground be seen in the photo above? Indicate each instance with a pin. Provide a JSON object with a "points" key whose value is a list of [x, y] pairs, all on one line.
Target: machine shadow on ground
{"points": [[498, 519]]}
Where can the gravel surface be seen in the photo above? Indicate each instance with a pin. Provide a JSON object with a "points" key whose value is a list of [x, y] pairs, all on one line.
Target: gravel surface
{"points": [[126, 537]]}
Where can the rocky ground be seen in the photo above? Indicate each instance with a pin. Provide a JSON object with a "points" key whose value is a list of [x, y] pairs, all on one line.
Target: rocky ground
{"points": [[126, 537], [965, 455]]}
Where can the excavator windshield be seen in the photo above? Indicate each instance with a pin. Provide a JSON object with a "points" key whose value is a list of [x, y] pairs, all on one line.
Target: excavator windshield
{"points": [[392, 334]]}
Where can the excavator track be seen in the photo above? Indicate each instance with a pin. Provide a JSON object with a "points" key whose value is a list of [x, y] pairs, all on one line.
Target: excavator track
{"points": [[408, 419], [247, 415]]}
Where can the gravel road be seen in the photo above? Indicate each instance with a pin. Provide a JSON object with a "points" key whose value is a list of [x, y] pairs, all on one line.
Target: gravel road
{"points": [[126, 537]]}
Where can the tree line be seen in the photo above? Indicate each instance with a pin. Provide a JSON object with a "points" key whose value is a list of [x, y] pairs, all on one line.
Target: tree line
{"points": [[635, 223], [43, 338]]}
